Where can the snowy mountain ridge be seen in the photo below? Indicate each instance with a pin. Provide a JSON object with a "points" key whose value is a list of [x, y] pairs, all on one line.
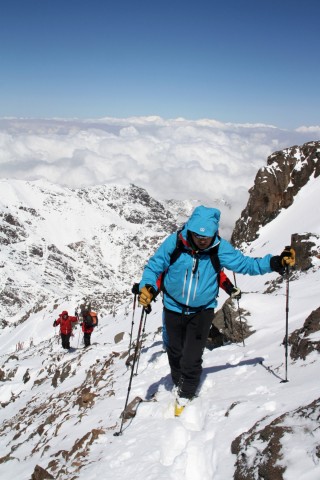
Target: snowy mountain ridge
{"points": [[93, 240]]}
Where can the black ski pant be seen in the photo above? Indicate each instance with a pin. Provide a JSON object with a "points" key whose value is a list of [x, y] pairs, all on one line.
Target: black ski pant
{"points": [[65, 340], [86, 339], [187, 336]]}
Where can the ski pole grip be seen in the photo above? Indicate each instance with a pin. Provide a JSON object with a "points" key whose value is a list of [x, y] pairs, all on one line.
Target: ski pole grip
{"points": [[147, 309], [135, 289]]}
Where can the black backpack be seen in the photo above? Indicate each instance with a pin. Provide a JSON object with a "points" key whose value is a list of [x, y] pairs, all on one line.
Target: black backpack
{"points": [[88, 320]]}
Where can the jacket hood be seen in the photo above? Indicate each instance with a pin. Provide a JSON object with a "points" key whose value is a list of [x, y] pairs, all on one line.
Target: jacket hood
{"points": [[204, 221], [64, 313]]}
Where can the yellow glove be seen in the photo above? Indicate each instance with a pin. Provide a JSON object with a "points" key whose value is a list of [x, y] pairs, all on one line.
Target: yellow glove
{"points": [[146, 295], [288, 257]]}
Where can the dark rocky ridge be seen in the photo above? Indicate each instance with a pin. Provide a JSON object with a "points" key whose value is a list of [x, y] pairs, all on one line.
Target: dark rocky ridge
{"points": [[275, 187], [261, 449]]}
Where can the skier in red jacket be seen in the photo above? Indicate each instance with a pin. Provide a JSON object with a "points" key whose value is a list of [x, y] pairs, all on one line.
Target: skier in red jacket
{"points": [[66, 323]]}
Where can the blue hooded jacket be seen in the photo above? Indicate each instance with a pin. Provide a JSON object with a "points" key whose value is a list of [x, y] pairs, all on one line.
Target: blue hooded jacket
{"points": [[191, 282]]}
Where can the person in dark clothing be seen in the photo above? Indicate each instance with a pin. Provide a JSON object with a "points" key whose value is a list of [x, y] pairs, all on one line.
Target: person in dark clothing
{"points": [[66, 323], [89, 320], [190, 290], [87, 330]]}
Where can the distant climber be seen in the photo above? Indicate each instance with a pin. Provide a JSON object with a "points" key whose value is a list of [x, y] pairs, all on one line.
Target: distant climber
{"points": [[66, 323], [88, 320]]}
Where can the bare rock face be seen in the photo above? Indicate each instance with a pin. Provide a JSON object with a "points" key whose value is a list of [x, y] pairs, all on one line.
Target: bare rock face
{"points": [[229, 325], [261, 451], [305, 246], [131, 409], [40, 474], [275, 187], [302, 341]]}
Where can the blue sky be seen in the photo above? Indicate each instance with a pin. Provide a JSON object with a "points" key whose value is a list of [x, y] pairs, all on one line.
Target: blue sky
{"points": [[233, 60]]}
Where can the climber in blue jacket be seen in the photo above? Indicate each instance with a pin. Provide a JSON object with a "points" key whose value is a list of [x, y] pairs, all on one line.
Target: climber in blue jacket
{"points": [[190, 289]]}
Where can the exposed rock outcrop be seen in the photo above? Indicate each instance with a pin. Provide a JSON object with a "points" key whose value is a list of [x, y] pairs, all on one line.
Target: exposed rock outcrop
{"points": [[275, 187], [306, 248], [306, 339], [229, 325], [41, 474], [260, 451]]}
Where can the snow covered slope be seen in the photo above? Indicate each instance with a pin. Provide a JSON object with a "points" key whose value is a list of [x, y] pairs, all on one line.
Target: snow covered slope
{"points": [[60, 410], [61, 243]]}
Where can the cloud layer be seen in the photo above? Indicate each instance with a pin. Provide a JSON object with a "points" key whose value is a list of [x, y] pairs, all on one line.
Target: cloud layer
{"points": [[178, 159]]}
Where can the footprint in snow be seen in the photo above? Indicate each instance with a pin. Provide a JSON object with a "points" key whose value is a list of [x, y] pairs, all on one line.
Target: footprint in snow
{"points": [[235, 359], [176, 439], [193, 416]]}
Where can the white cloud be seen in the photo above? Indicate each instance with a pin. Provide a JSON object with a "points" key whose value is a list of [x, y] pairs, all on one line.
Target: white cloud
{"points": [[311, 129], [181, 159]]}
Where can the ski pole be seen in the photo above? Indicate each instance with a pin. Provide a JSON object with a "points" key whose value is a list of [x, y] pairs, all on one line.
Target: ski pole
{"points": [[147, 310], [78, 338], [116, 434], [77, 315], [132, 322], [241, 327], [287, 325], [56, 335]]}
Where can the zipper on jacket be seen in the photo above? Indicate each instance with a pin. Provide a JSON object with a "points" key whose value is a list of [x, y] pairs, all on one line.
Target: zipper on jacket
{"points": [[184, 283], [196, 285], [195, 264], [194, 268]]}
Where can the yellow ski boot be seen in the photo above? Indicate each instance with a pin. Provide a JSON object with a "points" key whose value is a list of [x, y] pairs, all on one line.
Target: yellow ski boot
{"points": [[180, 405]]}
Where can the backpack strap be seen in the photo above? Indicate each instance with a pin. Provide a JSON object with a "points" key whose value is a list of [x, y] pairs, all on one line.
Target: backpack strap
{"points": [[174, 255], [180, 248], [214, 257]]}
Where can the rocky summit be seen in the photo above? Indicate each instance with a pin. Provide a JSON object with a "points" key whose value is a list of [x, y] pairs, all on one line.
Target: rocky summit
{"points": [[275, 188]]}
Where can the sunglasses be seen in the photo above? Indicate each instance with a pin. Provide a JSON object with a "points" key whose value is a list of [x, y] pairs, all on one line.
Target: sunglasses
{"points": [[196, 235]]}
